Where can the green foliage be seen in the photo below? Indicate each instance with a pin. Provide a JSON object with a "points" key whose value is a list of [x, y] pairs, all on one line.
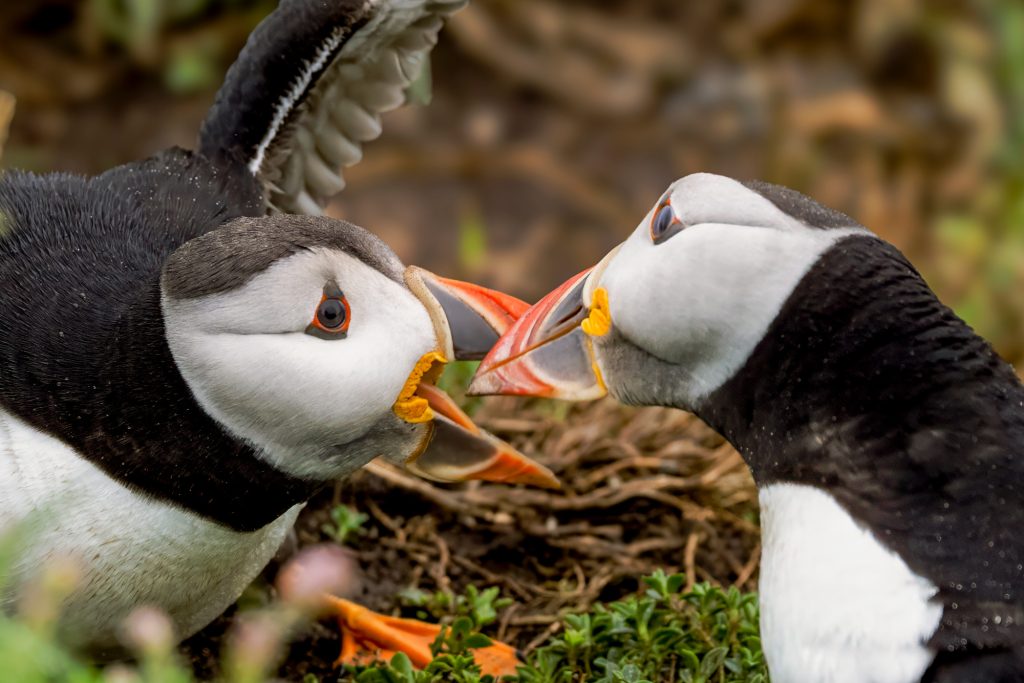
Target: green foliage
{"points": [[701, 636], [480, 607], [706, 635], [1006, 23], [30, 656], [453, 660], [344, 522], [161, 35], [472, 242], [978, 264], [453, 648], [29, 652], [191, 68]]}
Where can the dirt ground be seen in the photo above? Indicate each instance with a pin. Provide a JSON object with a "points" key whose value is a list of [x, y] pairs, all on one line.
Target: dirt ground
{"points": [[642, 489]]}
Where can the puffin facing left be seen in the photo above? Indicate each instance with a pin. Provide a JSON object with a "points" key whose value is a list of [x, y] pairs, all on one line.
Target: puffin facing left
{"points": [[181, 368]]}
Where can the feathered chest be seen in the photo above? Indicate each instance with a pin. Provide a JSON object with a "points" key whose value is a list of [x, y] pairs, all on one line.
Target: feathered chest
{"points": [[836, 605], [131, 549]]}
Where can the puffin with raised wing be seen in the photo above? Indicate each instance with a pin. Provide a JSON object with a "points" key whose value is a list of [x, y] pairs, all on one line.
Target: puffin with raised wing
{"points": [[182, 366], [885, 437]]}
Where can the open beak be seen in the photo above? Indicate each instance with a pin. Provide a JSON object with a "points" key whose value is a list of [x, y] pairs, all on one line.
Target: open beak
{"points": [[549, 351], [468, 320]]}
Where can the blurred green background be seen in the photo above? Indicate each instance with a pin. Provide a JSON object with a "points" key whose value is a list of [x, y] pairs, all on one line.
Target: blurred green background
{"points": [[555, 124]]}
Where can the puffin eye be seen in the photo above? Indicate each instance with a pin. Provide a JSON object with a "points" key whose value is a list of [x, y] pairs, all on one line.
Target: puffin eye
{"points": [[332, 315], [665, 223]]}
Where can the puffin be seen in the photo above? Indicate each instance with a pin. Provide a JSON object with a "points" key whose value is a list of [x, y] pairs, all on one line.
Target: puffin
{"points": [[885, 437], [189, 351]]}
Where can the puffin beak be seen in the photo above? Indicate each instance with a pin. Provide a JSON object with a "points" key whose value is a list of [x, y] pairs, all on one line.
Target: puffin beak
{"points": [[461, 451], [548, 352], [468, 320]]}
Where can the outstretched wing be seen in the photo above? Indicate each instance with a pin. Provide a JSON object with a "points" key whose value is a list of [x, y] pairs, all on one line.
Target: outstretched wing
{"points": [[309, 87]]}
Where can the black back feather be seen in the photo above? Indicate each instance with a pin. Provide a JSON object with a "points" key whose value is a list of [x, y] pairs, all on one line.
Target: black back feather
{"points": [[83, 354], [867, 386]]}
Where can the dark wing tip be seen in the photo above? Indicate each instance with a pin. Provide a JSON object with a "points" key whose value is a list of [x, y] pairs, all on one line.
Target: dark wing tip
{"points": [[308, 89]]}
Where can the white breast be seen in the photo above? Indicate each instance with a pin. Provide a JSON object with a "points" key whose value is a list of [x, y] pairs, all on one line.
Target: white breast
{"points": [[131, 549], [836, 605]]}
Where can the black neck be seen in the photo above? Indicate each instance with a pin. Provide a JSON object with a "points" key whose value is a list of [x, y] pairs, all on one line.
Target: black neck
{"points": [[862, 356], [867, 387], [152, 435]]}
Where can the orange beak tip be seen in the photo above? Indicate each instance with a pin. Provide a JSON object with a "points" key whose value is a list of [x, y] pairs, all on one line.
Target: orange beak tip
{"points": [[461, 451], [553, 485], [512, 467], [546, 353]]}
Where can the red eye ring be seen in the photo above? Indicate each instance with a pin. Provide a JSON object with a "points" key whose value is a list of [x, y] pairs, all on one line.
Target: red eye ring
{"points": [[333, 315], [664, 223]]}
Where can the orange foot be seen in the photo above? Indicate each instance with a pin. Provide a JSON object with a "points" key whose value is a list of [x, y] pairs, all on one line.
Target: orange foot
{"points": [[367, 637]]}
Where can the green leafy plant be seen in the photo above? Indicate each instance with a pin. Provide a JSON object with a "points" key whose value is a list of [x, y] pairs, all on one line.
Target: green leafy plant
{"points": [[472, 249], [479, 606], [180, 38], [453, 660], [453, 648], [344, 522], [704, 635]]}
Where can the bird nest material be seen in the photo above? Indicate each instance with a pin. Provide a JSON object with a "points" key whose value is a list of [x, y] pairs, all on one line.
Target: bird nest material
{"points": [[642, 489]]}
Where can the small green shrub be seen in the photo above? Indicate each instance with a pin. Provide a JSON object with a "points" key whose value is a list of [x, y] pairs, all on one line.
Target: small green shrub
{"points": [[453, 660], [481, 607], [705, 635], [344, 522]]}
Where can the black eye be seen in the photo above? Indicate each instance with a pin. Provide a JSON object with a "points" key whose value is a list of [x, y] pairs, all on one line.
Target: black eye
{"points": [[664, 224], [331, 314]]}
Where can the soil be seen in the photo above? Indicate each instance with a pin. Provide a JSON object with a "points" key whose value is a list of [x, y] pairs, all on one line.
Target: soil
{"points": [[642, 489]]}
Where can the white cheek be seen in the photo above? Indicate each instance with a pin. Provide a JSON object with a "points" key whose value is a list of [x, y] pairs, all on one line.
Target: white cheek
{"points": [[294, 396], [292, 385], [704, 298]]}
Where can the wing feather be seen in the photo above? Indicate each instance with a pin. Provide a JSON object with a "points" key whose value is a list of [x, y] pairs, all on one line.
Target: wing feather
{"points": [[309, 87]]}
